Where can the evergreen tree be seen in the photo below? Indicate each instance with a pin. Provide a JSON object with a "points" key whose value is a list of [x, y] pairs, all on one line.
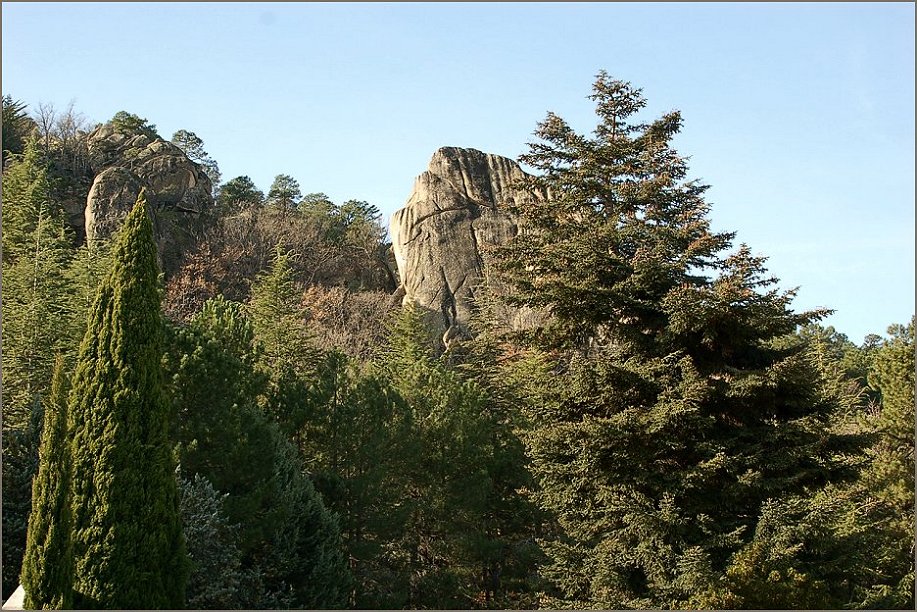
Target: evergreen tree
{"points": [[669, 406], [890, 476], [131, 125], [37, 298], [289, 544], [358, 440], [16, 127], [287, 354], [127, 541], [37, 310], [466, 523], [193, 147], [847, 545], [20, 463], [216, 579], [237, 194], [47, 567], [284, 193]]}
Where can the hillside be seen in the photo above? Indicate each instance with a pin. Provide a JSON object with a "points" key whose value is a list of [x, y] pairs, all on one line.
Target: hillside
{"points": [[552, 389]]}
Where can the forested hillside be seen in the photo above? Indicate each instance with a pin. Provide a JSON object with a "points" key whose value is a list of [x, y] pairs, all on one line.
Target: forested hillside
{"points": [[214, 397]]}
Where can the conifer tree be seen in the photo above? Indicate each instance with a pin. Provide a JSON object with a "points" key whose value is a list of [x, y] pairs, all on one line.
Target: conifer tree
{"points": [[462, 536], [288, 542], [48, 564], [287, 353], [37, 297], [890, 476], [669, 406], [127, 539], [36, 311]]}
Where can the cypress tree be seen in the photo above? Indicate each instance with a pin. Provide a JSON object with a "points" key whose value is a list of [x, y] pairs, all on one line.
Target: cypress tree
{"points": [[127, 538], [47, 567]]}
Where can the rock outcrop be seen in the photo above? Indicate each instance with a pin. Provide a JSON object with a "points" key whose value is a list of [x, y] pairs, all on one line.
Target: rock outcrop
{"points": [[178, 189], [457, 210]]}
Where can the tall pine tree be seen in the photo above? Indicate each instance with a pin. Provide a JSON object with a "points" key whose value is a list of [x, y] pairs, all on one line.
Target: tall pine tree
{"points": [[127, 537], [669, 406]]}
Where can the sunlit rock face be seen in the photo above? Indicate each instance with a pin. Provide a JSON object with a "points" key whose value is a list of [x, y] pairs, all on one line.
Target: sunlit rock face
{"points": [[456, 212], [178, 189]]}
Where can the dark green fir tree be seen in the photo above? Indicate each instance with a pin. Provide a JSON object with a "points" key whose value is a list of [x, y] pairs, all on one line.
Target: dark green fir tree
{"points": [[128, 547], [667, 405], [47, 569]]}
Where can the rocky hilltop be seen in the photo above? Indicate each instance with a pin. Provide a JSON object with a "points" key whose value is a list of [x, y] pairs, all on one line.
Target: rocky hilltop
{"points": [[457, 210], [122, 164]]}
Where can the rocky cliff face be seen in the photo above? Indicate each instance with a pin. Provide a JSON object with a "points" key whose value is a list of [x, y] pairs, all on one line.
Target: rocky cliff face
{"points": [[458, 209], [178, 190]]}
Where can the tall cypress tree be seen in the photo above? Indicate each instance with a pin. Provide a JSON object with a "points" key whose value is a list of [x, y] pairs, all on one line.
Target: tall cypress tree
{"points": [[47, 567], [670, 404], [127, 537]]}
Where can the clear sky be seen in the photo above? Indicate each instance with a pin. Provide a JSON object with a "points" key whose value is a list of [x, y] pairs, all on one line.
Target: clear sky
{"points": [[799, 116]]}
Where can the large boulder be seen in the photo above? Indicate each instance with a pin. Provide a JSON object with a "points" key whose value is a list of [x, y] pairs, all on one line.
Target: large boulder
{"points": [[178, 190], [456, 212]]}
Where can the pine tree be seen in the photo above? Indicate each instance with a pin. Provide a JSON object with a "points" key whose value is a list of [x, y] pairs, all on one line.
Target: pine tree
{"points": [[127, 540], [466, 522], [669, 405], [47, 568], [847, 545]]}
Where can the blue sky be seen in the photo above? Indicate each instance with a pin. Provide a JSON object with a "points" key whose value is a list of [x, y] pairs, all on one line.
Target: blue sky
{"points": [[799, 116]]}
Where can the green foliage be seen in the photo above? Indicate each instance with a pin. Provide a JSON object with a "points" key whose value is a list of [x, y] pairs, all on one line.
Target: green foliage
{"points": [[127, 541], [216, 579], [20, 463], [832, 549], [284, 193], [16, 127], [843, 366], [890, 475], [193, 147], [668, 406], [620, 230], [359, 444], [290, 545], [38, 314], [288, 355], [466, 522], [37, 299], [47, 565], [130, 124], [237, 194]]}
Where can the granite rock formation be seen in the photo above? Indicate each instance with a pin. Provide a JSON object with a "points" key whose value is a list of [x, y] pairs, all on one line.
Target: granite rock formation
{"points": [[456, 212], [179, 191]]}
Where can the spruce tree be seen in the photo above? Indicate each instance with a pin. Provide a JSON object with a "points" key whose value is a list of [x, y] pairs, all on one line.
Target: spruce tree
{"points": [[127, 539], [48, 565], [669, 404]]}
